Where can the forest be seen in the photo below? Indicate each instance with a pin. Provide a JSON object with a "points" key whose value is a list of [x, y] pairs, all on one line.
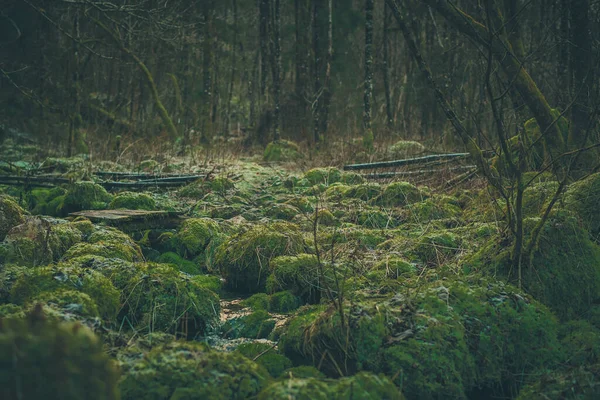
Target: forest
{"points": [[299, 200]]}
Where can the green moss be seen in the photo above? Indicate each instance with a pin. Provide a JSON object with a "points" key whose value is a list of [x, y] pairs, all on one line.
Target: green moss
{"points": [[565, 265], [194, 235], [536, 196], [285, 212], [37, 281], [187, 370], [581, 343], [395, 268], [163, 299], [66, 359], [365, 191], [326, 218], [67, 303], [302, 372], [258, 301], [11, 311], [84, 196], [283, 302], [352, 178], [11, 215], [582, 198], [118, 271], [298, 389], [266, 356], [579, 383], [44, 201], [257, 325], [368, 386], [376, 219], [109, 243], [437, 248], [244, 259], [326, 176], [282, 150], [221, 184], [399, 194], [404, 148], [183, 265], [211, 282], [133, 201], [299, 274], [337, 192], [433, 209]]}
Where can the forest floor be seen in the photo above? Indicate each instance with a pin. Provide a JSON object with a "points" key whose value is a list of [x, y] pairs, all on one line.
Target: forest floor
{"points": [[267, 281]]}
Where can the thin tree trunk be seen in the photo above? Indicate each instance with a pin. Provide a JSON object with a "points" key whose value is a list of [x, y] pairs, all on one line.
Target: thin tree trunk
{"points": [[386, 69], [317, 72], [277, 74], [368, 84], [324, 118], [233, 67]]}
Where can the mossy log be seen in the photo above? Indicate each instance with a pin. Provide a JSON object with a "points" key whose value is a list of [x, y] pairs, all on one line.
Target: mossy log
{"points": [[132, 220], [408, 161]]}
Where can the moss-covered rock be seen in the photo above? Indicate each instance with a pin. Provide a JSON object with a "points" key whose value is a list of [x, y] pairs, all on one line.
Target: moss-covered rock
{"points": [[211, 282], [39, 241], [298, 389], [303, 371], [285, 212], [36, 282], [221, 184], [282, 150], [195, 235], [565, 265], [404, 148], [299, 274], [579, 383], [582, 198], [536, 196], [67, 304], [163, 299], [244, 259], [133, 201], [258, 301], [394, 268], [46, 201], [118, 271], [84, 196], [257, 325], [326, 176], [11, 215], [399, 194], [189, 267], [188, 370], [376, 219], [433, 209], [283, 302], [109, 243], [365, 191], [368, 386], [54, 360], [437, 248], [265, 355]]}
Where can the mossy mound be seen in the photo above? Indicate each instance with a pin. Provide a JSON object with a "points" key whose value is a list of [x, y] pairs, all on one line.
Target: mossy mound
{"points": [[365, 191], [580, 383], [363, 385], [258, 301], [11, 215], [163, 299], [46, 201], [447, 340], [298, 274], [404, 148], [438, 208], [265, 355], [303, 371], [283, 302], [221, 184], [282, 150], [376, 219], [109, 243], [67, 304], [284, 212], [210, 282], [565, 270], [118, 271], [437, 248], [84, 196], [133, 201], [54, 360], [189, 267], [400, 194], [244, 259], [536, 196], [394, 268], [195, 235], [36, 282], [187, 370], [582, 198], [257, 325], [325, 176], [38, 241]]}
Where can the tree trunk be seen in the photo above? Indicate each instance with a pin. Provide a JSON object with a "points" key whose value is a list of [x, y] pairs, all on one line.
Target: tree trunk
{"points": [[368, 84], [277, 71], [316, 71], [324, 118], [386, 69]]}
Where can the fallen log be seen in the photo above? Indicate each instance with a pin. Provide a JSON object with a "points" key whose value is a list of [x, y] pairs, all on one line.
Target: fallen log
{"points": [[132, 220], [408, 161], [384, 175]]}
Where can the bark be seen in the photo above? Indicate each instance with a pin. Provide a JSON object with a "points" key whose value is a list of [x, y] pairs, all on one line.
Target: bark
{"points": [[324, 118], [386, 69], [316, 71], [277, 71], [368, 84], [233, 67]]}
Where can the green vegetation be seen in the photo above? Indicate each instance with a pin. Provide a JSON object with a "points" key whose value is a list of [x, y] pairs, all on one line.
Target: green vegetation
{"points": [[66, 359], [133, 201]]}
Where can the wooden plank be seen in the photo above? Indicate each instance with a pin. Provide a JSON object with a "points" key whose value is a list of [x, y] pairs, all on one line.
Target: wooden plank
{"points": [[408, 161], [133, 220], [399, 174]]}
